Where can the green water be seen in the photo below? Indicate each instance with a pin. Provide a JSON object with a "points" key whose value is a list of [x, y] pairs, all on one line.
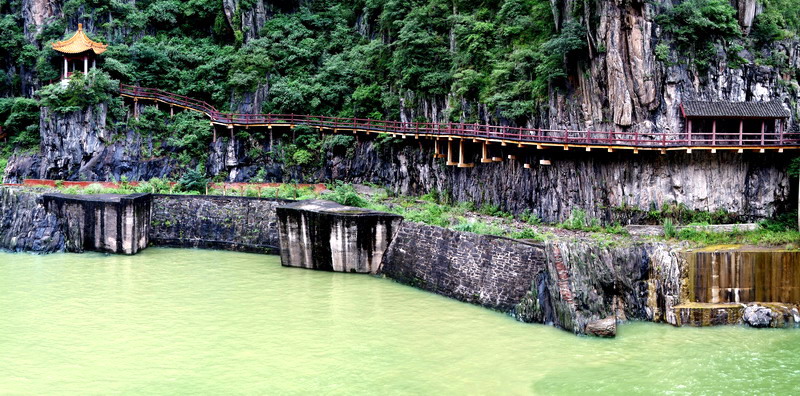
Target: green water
{"points": [[202, 322]]}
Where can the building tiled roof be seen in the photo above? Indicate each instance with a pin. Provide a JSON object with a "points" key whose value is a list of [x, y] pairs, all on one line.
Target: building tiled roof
{"points": [[734, 109], [78, 43]]}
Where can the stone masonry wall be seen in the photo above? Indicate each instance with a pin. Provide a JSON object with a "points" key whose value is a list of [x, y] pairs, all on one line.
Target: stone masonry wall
{"points": [[487, 270], [215, 222], [567, 284]]}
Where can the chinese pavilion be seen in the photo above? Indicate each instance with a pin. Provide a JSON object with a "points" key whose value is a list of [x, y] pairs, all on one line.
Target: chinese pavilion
{"points": [[79, 49]]}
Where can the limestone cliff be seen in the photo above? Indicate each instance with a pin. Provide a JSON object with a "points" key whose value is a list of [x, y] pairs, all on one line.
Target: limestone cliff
{"points": [[80, 145], [26, 225], [617, 186], [37, 14]]}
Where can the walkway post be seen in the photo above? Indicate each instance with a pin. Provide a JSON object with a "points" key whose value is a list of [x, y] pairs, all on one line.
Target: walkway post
{"points": [[741, 131], [714, 133], [688, 131]]}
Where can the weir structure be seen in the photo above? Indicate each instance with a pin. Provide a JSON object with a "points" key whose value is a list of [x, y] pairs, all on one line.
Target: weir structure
{"points": [[728, 285], [452, 136], [578, 285]]}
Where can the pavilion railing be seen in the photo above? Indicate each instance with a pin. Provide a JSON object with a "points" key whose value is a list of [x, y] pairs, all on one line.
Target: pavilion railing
{"points": [[481, 131]]}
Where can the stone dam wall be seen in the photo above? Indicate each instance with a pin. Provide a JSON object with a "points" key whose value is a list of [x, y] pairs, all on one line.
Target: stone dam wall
{"points": [[215, 222], [486, 270], [582, 286]]}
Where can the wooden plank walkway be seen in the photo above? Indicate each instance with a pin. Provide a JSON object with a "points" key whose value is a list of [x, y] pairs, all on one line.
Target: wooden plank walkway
{"points": [[478, 133]]}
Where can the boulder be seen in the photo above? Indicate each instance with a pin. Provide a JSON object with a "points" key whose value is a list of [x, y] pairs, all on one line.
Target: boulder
{"points": [[602, 327], [758, 316]]}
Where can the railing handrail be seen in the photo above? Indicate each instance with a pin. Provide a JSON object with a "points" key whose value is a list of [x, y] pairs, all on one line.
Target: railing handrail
{"points": [[477, 130]]}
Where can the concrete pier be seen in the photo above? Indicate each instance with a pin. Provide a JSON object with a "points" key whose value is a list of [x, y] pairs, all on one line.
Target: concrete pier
{"points": [[104, 223], [326, 236]]}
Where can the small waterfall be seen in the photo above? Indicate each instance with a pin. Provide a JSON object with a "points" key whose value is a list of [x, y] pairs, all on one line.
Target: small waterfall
{"points": [[743, 275]]}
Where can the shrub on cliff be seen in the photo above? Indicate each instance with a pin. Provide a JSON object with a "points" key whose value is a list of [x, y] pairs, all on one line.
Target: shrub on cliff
{"points": [[20, 121], [81, 92], [696, 25], [700, 21], [194, 181]]}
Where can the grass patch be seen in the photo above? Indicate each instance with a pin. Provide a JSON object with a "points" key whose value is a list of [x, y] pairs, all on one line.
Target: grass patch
{"points": [[579, 221], [760, 237]]}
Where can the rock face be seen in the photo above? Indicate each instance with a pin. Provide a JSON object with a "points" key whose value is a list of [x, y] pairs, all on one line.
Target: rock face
{"points": [[36, 13], [80, 146], [230, 223], [611, 187], [608, 186], [574, 285], [758, 316], [26, 225], [326, 236]]}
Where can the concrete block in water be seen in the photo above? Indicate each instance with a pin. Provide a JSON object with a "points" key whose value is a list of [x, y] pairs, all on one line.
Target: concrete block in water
{"points": [[103, 223], [326, 236]]}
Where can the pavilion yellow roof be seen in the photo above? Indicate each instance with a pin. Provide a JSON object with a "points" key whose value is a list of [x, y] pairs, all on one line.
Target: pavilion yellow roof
{"points": [[78, 43]]}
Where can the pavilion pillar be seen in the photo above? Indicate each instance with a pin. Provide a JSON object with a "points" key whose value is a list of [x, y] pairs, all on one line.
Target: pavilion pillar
{"points": [[66, 67], [94, 63], [85, 64], [763, 129]]}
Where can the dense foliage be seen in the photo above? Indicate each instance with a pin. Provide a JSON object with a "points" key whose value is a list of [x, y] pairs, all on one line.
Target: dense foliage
{"points": [[81, 92], [335, 57], [345, 58], [324, 57]]}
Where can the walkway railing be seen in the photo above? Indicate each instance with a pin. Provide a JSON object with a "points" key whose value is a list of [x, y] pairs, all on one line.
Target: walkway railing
{"points": [[491, 132]]}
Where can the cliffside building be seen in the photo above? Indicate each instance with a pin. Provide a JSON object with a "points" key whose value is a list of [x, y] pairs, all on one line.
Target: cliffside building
{"points": [[78, 50], [734, 123]]}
